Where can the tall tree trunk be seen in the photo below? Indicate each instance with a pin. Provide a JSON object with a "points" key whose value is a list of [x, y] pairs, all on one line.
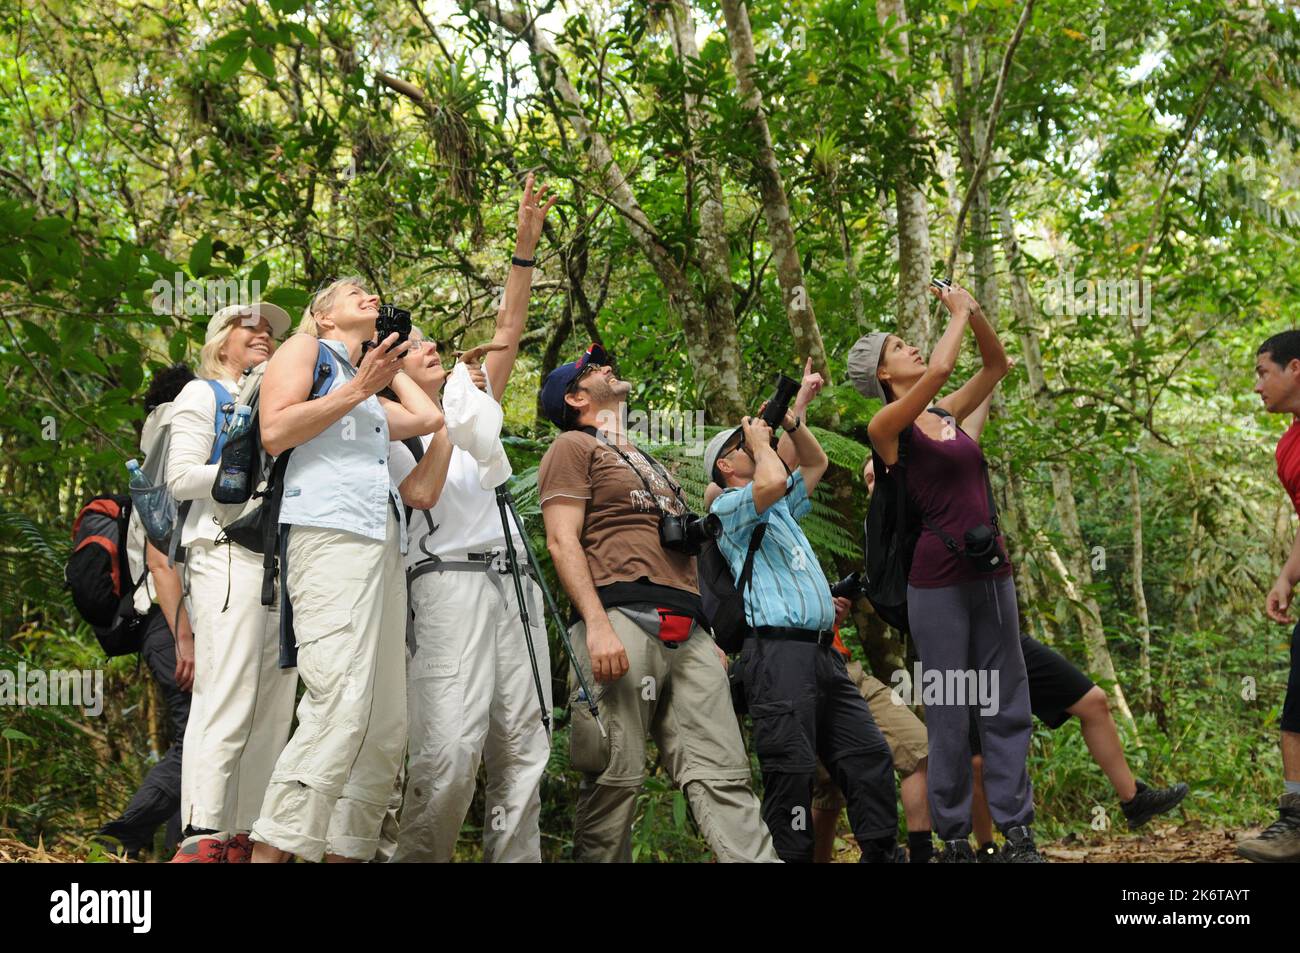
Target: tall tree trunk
{"points": [[911, 212], [1139, 591], [776, 205], [1137, 328], [1077, 573], [616, 189], [987, 292], [713, 247]]}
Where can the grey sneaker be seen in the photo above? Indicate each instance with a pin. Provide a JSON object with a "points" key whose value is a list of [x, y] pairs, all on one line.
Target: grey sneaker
{"points": [[1279, 843], [1019, 848]]}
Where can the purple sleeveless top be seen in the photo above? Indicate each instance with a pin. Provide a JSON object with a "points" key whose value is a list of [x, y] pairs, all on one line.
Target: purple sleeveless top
{"points": [[945, 479]]}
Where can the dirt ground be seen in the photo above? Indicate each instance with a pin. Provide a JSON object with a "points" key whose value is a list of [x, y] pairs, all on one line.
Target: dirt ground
{"points": [[1156, 843]]}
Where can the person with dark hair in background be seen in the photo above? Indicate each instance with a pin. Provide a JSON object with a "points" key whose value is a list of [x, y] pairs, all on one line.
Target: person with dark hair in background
{"points": [[167, 648], [1277, 381]]}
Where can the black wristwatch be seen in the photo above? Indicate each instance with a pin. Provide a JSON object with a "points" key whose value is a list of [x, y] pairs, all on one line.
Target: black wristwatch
{"points": [[798, 421], [522, 262]]}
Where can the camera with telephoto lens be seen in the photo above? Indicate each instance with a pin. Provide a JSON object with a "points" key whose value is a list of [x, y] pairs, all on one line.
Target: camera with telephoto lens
{"points": [[392, 318], [687, 533], [850, 587], [774, 413]]}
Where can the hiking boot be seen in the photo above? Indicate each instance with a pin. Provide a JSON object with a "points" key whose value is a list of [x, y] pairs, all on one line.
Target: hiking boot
{"points": [[1151, 802], [988, 854], [201, 849], [956, 852], [238, 850], [882, 851], [1280, 841], [1019, 848]]}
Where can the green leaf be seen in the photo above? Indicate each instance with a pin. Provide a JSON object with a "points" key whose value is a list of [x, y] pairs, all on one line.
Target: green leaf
{"points": [[232, 63], [291, 299], [263, 61], [40, 338], [306, 36], [261, 273], [51, 228], [13, 734], [231, 41], [201, 257]]}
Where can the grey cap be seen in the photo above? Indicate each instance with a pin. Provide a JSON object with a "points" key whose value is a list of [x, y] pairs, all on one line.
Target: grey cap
{"points": [[864, 361], [714, 450]]}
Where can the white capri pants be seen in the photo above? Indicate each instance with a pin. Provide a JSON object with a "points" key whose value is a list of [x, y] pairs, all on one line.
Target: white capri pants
{"points": [[242, 700], [332, 783], [472, 698]]}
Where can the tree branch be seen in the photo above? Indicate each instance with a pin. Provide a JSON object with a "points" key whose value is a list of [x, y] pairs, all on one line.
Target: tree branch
{"points": [[990, 127]]}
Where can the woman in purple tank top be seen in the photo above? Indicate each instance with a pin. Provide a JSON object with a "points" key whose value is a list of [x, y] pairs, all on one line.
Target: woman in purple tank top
{"points": [[961, 600]]}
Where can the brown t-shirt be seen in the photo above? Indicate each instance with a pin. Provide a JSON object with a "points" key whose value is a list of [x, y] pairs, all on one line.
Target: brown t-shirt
{"points": [[620, 532]]}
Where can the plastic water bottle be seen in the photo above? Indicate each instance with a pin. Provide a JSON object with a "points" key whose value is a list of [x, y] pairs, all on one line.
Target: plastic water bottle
{"points": [[150, 502], [235, 478], [239, 426]]}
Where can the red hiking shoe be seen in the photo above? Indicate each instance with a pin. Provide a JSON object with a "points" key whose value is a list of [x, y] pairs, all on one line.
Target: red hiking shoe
{"points": [[238, 850], [201, 849]]}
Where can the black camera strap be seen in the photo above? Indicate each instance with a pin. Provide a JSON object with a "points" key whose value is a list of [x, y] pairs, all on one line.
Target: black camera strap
{"points": [[655, 464]]}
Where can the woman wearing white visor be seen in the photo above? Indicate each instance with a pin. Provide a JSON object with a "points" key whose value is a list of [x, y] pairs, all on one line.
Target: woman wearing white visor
{"points": [[242, 701]]}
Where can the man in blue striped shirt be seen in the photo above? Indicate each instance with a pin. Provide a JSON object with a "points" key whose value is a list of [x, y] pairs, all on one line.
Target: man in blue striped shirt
{"points": [[801, 700]]}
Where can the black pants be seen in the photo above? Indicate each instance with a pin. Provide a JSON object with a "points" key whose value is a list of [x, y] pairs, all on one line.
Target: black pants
{"points": [[804, 706], [158, 800]]}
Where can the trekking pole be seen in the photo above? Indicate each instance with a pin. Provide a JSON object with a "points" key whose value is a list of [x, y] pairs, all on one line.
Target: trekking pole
{"points": [[503, 493], [513, 560]]}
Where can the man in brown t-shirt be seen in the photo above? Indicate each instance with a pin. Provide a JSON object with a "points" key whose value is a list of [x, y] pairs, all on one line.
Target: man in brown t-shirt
{"points": [[640, 640]]}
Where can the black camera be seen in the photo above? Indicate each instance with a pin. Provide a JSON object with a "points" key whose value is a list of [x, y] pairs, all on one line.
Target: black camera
{"points": [[688, 532], [392, 318], [982, 548], [850, 587], [774, 413]]}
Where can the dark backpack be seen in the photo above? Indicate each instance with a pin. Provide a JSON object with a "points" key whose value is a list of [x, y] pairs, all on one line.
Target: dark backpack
{"points": [[98, 574], [723, 596], [891, 528]]}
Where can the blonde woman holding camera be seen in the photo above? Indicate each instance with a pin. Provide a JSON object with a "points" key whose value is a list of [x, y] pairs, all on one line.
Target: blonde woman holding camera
{"points": [[344, 585]]}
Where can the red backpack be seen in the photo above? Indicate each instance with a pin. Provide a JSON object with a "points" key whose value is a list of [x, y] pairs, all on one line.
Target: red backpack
{"points": [[98, 574]]}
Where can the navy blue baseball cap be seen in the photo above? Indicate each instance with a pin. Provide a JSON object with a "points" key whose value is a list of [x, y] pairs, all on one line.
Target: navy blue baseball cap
{"points": [[559, 381]]}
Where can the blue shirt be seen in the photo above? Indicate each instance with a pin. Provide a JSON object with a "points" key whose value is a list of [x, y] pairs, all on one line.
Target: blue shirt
{"points": [[339, 479], [788, 587]]}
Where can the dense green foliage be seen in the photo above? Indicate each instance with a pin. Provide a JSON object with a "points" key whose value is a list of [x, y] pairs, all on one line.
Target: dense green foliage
{"points": [[283, 143]]}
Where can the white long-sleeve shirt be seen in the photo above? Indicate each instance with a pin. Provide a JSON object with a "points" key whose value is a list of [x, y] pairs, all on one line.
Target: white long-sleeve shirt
{"points": [[189, 475]]}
